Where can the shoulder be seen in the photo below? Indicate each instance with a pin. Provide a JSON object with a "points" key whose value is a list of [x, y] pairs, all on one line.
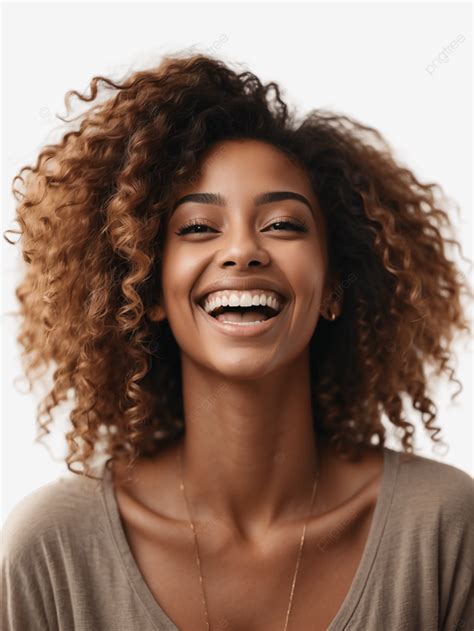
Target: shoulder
{"points": [[423, 548], [49, 549], [434, 504], [52, 514], [440, 483]]}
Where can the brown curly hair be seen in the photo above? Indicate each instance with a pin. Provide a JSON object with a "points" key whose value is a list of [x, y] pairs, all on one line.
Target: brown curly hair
{"points": [[92, 218]]}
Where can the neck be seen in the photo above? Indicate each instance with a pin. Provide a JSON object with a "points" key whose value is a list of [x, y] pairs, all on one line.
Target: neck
{"points": [[249, 452]]}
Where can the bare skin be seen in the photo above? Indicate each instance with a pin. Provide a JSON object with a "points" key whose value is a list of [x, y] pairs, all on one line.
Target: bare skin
{"points": [[250, 450], [248, 585]]}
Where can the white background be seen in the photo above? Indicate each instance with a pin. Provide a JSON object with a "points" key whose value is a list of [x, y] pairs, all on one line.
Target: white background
{"points": [[370, 61]]}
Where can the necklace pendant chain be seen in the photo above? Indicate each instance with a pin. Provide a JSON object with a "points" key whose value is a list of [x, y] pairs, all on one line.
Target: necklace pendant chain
{"points": [[196, 546]]}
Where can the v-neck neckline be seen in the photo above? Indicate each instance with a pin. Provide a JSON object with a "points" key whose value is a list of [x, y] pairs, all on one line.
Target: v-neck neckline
{"points": [[160, 620]]}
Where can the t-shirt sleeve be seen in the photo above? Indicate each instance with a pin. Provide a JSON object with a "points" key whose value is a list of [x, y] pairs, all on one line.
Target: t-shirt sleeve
{"points": [[460, 613], [458, 556], [61, 570], [24, 597], [27, 598]]}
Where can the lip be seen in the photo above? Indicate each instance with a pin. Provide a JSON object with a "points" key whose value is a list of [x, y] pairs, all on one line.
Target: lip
{"points": [[236, 330]]}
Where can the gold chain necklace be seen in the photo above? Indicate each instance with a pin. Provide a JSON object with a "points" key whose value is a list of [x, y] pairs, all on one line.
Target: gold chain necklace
{"points": [[198, 559]]}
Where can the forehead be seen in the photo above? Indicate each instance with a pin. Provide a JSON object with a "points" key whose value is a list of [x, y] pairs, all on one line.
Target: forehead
{"points": [[247, 165]]}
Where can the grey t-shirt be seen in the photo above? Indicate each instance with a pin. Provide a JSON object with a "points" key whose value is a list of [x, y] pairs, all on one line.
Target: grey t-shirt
{"points": [[67, 565]]}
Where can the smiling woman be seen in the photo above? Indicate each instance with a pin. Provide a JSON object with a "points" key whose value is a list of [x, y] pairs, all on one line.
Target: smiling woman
{"points": [[237, 300]]}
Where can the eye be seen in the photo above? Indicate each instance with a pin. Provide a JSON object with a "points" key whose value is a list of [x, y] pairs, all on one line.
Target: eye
{"points": [[188, 228], [297, 225], [194, 223]]}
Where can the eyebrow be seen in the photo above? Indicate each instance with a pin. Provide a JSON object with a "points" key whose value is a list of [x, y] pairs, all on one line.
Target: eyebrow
{"points": [[263, 198]]}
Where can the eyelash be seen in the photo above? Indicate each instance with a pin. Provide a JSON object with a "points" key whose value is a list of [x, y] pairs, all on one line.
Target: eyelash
{"points": [[298, 226]]}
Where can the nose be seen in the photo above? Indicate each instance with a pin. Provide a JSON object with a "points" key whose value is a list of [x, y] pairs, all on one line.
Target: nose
{"points": [[243, 250]]}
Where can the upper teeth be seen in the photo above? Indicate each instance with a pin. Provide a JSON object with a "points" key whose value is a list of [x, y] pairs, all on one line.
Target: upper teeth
{"points": [[241, 299]]}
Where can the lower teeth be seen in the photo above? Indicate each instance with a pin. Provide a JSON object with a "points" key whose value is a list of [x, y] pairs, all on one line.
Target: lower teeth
{"points": [[241, 323]]}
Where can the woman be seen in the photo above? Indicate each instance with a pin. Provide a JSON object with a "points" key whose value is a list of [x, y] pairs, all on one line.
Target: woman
{"points": [[236, 298]]}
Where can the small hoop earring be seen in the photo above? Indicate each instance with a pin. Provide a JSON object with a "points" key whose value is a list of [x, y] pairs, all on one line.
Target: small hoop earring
{"points": [[332, 316]]}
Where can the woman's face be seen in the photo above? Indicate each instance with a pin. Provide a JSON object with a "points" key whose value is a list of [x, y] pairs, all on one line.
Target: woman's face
{"points": [[238, 246]]}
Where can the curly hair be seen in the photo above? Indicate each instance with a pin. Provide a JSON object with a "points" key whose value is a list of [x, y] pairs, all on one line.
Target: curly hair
{"points": [[93, 214]]}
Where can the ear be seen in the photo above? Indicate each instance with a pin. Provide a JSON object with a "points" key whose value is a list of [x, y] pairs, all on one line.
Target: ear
{"points": [[156, 313], [333, 295]]}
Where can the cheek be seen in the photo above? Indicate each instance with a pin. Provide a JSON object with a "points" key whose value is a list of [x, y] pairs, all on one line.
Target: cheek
{"points": [[176, 280], [305, 269], [180, 273]]}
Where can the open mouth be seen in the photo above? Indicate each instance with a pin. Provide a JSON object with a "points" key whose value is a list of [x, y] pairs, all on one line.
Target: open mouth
{"points": [[251, 314], [244, 321]]}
